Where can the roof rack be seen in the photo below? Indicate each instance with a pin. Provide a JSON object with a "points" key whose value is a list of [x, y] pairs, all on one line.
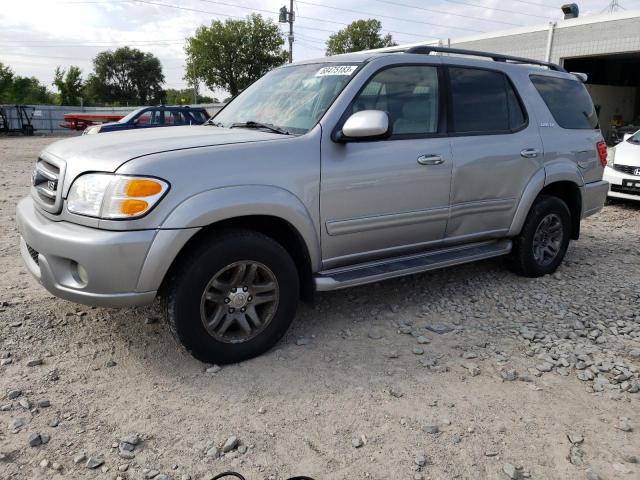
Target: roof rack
{"points": [[496, 57]]}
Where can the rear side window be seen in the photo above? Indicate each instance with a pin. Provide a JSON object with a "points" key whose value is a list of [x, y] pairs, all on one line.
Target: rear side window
{"points": [[568, 101], [484, 101]]}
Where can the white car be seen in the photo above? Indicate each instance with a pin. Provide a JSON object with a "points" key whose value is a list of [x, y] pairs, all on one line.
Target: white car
{"points": [[623, 169]]}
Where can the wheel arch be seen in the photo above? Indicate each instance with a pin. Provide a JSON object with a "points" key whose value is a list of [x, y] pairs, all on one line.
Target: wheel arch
{"points": [[564, 183], [271, 226], [272, 211]]}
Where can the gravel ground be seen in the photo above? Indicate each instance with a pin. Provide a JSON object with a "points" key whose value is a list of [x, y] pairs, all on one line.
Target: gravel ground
{"points": [[469, 372]]}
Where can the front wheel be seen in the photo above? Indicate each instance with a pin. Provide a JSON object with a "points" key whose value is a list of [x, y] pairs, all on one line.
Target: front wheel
{"points": [[544, 239], [232, 298]]}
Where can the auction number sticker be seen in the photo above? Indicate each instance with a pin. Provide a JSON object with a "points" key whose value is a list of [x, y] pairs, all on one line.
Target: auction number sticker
{"points": [[336, 70]]}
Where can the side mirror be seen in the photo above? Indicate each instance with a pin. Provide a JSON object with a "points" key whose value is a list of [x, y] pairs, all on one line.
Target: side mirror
{"points": [[627, 136], [364, 125]]}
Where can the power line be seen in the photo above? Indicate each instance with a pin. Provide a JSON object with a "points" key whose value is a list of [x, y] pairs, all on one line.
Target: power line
{"points": [[495, 9], [447, 13], [236, 16], [97, 41], [93, 45], [218, 2], [382, 16], [545, 5]]}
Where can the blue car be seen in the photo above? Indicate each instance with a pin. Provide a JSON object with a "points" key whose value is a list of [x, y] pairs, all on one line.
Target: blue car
{"points": [[150, 117]]}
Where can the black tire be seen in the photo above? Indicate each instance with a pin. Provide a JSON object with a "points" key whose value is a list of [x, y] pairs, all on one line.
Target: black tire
{"points": [[522, 260], [192, 276]]}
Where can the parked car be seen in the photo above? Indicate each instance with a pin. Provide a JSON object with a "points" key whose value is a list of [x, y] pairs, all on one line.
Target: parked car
{"points": [[623, 170], [149, 117], [322, 175]]}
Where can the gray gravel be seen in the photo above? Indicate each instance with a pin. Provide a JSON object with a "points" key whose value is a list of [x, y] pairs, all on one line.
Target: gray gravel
{"points": [[537, 378]]}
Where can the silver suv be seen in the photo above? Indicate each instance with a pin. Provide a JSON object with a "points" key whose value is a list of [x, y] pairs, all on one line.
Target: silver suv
{"points": [[322, 175]]}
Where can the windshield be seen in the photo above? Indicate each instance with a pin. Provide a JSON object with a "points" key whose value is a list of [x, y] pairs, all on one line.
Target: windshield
{"points": [[291, 99], [635, 138], [129, 116]]}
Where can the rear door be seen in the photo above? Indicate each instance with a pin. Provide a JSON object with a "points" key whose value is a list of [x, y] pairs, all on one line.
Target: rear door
{"points": [[496, 151]]}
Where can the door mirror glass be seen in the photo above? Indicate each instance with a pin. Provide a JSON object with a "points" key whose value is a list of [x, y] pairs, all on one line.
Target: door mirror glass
{"points": [[366, 124]]}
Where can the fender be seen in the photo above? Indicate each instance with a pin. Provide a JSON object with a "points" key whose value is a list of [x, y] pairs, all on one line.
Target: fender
{"points": [[554, 171], [562, 170], [212, 206]]}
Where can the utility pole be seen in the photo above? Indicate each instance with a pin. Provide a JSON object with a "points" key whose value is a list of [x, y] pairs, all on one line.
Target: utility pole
{"points": [[288, 16]]}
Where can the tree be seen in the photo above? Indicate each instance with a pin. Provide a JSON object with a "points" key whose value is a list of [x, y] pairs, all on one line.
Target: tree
{"points": [[29, 91], [234, 54], [17, 89], [357, 36], [69, 85], [185, 97], [126, 76], [6, 80]]}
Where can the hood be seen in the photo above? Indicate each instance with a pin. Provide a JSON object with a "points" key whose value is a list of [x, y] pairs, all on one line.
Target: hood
{"points": [[105, 153], [627, 153]]}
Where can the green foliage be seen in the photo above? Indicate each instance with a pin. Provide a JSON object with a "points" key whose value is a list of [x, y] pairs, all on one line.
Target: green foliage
{"points": [[69, 85], [359, 35], [6, 80], [126, 76], [234, 54], [16, 89], [185, 97]]}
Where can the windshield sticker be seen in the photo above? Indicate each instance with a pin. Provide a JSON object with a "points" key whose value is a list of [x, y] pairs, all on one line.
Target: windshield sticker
{"points": [[336, 70]]}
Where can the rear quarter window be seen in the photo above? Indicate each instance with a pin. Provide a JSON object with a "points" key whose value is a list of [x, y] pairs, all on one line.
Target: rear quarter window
{"points": [[568, 101]]}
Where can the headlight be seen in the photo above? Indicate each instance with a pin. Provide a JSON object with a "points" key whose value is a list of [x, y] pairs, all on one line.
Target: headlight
{"points": [[109, 196], [91, 130], [611, 156]]}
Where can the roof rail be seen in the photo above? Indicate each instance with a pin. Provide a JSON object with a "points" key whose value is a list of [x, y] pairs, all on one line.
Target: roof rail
{"points": [[496, 57]]}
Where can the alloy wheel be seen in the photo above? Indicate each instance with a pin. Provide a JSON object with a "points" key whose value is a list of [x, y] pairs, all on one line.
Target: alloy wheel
{"points": [[239, 301]]}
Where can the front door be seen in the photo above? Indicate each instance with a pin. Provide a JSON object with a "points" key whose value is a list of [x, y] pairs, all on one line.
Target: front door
{"points": [[388, 196]]}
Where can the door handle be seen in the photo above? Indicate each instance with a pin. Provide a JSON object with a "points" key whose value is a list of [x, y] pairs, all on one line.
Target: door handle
{"points": [[529, 153], [430, 159]]}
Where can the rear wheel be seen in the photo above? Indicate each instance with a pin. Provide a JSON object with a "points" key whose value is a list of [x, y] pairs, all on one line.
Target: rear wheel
{"points": [[544, 239], [233, 298]]}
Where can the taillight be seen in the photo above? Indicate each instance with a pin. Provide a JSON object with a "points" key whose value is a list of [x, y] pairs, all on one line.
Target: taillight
{"points": [[602, 152]]}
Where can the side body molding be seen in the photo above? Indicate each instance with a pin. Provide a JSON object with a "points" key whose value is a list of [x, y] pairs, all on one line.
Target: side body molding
{"points": [[224, 203], [554, 171]]}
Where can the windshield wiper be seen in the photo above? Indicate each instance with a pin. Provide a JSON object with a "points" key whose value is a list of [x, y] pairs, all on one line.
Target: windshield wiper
{"points": [[215, 124], [254, 124]]}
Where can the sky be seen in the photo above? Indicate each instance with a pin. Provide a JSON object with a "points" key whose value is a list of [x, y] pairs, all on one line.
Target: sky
{"points": [[38, 35]]}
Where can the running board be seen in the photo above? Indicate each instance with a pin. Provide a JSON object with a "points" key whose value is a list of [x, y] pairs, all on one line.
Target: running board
{"points": [[360, 274]]}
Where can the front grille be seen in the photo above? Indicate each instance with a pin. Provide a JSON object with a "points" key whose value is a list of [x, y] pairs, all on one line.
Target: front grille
{"points": [[46, 184], [625, 189], [33, 253], [629, 170]]}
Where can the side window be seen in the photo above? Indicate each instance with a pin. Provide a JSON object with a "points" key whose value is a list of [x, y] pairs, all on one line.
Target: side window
{"points": [[567, 100], [484, 101], [198, 117], [156, 117], [409, 94], [144, 118], [174, 117]]}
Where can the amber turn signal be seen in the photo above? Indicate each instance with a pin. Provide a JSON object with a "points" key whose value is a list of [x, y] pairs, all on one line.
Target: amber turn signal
{"points": [[142, 188], [133, 207]]}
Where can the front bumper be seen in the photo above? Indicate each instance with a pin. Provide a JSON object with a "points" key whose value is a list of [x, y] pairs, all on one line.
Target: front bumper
{"points": [[113, 261], [615, 178]]}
